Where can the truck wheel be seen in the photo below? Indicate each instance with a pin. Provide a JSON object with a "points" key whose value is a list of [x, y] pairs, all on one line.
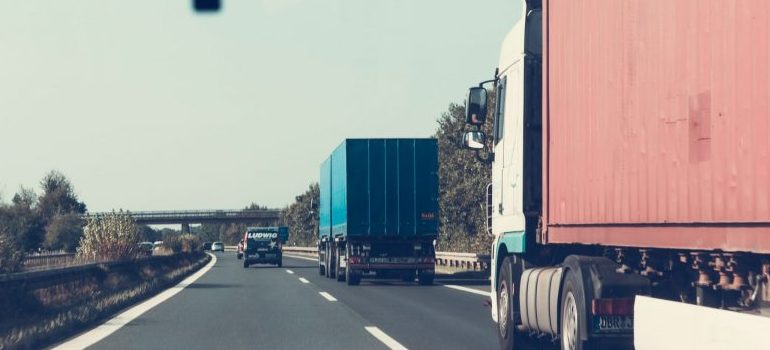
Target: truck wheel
{"points": [[327, 267], [321, 269], [425, 279], [340, 274], [408, 276], [280, 263], [572, 313], [506, 329], [332, 263], [353, 278]]}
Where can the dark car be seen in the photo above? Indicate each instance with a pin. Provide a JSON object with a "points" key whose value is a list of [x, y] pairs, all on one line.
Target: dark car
{"points": [[206, 246], [263, 245]]}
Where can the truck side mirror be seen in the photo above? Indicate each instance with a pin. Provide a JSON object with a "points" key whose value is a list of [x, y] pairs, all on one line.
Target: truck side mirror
{"points": [[474, 140], [476, 111]]}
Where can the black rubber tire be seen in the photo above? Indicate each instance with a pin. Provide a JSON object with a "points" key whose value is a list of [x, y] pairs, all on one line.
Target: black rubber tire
{"points": [[327, 268], [425, 279], [352, 278], [332, 262], [321, 269], [408, 276], [280, 263], [341, 276], [507, 335], [245, 265], [571, 287]]}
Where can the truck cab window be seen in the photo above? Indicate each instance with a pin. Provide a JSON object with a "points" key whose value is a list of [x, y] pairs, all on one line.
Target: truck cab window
{"points": [[500, 110]]}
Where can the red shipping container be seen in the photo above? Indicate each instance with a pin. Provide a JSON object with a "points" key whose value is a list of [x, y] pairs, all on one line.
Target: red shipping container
{"points": [[656, 123]]}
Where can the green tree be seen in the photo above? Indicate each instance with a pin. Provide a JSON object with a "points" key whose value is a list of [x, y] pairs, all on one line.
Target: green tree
{"points": [[11, 256], [302, 217], [63, 232], [22, 220], [58, 197], [463, 180]]}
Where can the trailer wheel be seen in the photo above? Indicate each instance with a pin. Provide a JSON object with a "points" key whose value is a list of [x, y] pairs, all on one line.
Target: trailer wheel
{"points": [[332, 261], [425, 278], [340, 274], [572, 313], [321, 268], [353, 278], [408, 276]]}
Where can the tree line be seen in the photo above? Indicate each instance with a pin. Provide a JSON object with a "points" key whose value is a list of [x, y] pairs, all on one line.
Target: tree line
{"points": [[462, 187]]}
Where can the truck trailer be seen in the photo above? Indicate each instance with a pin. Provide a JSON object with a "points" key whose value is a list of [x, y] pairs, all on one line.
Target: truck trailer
{"points": [[378, 210], [630, 162]]}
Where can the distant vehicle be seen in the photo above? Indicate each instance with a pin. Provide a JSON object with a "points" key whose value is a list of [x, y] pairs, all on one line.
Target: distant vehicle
{"points": [[206, 246], [263, 245], [239, 252], [157, 245], [217, 247], [146, 247], [379, 210]]}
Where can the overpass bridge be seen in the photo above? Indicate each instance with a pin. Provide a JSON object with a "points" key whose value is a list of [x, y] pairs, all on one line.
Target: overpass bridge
{"points": [[261, 217]]}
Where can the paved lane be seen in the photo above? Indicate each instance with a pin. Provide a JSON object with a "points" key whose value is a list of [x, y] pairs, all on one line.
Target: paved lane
{"points": [[295, 308]]}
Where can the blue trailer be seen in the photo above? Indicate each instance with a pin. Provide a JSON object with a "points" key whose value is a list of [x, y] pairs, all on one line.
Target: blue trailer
{"points": [[379, 210]]}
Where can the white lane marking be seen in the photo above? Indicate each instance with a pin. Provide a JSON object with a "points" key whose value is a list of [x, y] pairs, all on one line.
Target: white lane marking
{"points": [[301, 257], [328, 296], [303, 280], [290, 272], [112, 325], [466, 289], [385, 339]]}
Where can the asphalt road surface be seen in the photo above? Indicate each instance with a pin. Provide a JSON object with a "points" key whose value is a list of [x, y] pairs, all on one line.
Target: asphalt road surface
{"points": [[293, 307]]}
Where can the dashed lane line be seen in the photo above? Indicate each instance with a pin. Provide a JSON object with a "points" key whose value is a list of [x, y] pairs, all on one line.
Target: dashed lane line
{"points": [[290, 272], [385, 339], [303, 280], [328, 296], [468, 290]]}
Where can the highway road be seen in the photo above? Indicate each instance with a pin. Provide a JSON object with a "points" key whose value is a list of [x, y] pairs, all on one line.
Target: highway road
{"points": [[293, 307]]}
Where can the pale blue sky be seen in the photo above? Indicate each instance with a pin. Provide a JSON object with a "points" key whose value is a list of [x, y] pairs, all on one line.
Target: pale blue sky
{"points": [[145, 105]]}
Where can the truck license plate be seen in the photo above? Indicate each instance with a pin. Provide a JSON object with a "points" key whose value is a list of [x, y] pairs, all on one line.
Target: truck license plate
{"points": [[613, 324]]}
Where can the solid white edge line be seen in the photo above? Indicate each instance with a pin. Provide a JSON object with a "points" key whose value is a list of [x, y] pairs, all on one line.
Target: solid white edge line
{"points": [[468, 290], [328, 296], [290, 272], [300, 257], [385, 339], [95, 335], [303, 280]]}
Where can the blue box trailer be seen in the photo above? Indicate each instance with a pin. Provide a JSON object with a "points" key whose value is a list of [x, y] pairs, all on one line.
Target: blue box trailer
{"points": [[378, 209]]}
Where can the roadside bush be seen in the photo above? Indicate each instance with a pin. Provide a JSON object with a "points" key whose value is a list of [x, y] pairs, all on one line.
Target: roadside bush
{"points": [[11, 256], [185, 243], [111, 237]]}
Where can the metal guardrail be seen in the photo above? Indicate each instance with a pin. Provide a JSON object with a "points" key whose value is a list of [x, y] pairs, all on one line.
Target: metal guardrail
{"points": [[54, 276], [465, 261], [38, 261]]}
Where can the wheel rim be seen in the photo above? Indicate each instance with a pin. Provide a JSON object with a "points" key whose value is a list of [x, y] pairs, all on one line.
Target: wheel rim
{"points": [[502, 307], [569, 328]]}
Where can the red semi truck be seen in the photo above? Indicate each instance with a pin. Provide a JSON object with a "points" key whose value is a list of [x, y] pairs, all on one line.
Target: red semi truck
{"points": [[630, 157]]}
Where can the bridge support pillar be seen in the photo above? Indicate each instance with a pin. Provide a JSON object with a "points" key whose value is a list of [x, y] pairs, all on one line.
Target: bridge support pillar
{"points": [[185, 228]]}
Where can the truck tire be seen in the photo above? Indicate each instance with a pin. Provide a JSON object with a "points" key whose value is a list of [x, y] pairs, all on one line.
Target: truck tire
{"points": [[572, 314], [408, 276], [327, 264], [507, 335], [332, 262], [280, 262], [353, 278], [425, 279], [341, 276], [321, 269]]}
